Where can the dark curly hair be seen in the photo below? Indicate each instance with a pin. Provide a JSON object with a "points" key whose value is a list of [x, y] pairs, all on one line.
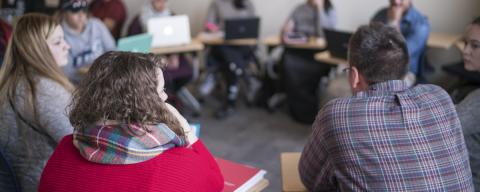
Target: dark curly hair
{"points": [[122, 86]]}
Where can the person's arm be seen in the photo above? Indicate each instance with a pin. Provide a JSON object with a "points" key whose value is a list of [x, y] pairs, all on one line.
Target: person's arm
{"points": [[315, 167], [469, 113], [212, 23], [52, 102], [107, 39], [328, 19], [215, 179], [416, 39], [189, 133]]}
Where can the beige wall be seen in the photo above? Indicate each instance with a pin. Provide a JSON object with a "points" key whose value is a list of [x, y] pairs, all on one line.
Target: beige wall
{"points": [[445, 15]]}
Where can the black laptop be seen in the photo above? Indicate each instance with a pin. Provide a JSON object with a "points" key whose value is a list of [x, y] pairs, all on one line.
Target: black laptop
{"points": [[337, 43], [242, 28]]}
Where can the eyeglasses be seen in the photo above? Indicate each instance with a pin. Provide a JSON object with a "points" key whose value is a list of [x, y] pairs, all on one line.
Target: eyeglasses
{"points": [[347, 70]]}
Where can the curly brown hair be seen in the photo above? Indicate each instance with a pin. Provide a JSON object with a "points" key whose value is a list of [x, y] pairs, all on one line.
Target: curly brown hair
{"points": [[122, 86]]}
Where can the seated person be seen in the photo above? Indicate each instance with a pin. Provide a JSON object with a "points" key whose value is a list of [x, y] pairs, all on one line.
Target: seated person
{"points": [[33, 98], [302, 73], [112, 13], [469, 109], [414, 26], [179, 70], [388, 136], [5, 33], [88, 37], [231, 61], [146, 145]]}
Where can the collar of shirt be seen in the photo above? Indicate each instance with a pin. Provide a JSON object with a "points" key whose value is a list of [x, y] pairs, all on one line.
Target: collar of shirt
{"points": [[383, 88]]}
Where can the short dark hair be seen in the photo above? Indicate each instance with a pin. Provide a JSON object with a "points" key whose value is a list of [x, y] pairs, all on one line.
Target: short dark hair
{"points": [[379, 52], [476, 21]]}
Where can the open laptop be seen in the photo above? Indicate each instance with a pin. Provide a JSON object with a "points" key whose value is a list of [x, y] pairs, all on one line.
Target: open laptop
{"points": [[141, 43], [169, 31], [337, 43], [242, 28]]}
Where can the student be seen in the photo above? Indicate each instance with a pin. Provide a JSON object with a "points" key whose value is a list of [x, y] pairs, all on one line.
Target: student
{"points": [[112, 13], [469, 109], [88, 37], [34, 94], [5, 34], [146, 145], [402, 15], [389, 136], [179, 70], [302, 73], [229, 60]]}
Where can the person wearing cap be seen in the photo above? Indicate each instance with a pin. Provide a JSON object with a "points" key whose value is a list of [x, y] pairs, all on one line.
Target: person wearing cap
{"points": [[88, 37], [112, 13]]}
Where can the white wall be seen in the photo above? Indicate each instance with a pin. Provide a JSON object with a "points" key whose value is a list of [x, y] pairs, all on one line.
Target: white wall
{"points": [[445, 15]]}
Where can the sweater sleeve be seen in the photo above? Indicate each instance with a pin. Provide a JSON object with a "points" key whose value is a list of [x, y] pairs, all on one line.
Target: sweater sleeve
{"points": [[215, 176], [469, 112], [52, 102]]}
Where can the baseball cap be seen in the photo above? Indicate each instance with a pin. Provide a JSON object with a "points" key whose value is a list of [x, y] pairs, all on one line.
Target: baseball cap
{"points": [[74, 5]]}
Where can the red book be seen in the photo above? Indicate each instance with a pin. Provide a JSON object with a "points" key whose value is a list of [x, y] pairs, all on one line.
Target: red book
{"points": [[239, 177]]}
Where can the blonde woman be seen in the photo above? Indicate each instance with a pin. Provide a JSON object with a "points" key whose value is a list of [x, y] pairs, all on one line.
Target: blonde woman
{"points": [[34, 94]]}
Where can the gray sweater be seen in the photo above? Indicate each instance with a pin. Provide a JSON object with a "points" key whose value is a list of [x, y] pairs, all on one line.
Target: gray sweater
{"points": [[220, 10], [28, 150], [86, 46], [469, 113]]}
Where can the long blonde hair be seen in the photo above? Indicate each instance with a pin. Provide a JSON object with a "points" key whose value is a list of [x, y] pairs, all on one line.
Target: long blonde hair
{"points": [[29, 57]]}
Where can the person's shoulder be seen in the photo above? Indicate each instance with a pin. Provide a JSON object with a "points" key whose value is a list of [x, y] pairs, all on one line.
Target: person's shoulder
{"points": [[95, 21], [380, 13], [49, 85], [429, 88]]}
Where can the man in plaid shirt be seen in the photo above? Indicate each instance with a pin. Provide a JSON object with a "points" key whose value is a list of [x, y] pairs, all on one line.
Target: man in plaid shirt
{"points": [[389, 136]]}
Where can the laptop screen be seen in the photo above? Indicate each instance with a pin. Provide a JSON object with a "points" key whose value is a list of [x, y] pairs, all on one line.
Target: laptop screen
{"points": [[337, 43], [242, 28], [141, 43]]}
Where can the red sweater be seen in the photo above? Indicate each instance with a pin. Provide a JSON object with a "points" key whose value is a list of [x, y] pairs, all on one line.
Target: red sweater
{"points": [[178, 169]]}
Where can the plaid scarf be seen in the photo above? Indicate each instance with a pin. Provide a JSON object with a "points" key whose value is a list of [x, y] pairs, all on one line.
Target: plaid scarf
{"points": [[125, 143]]}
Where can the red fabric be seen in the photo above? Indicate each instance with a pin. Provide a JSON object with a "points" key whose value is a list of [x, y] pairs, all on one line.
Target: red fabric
{"points": [[113, 9], [178, 169]]}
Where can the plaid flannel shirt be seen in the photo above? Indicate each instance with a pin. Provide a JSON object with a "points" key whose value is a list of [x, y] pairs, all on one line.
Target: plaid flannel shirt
{"points": [[389, 138]]}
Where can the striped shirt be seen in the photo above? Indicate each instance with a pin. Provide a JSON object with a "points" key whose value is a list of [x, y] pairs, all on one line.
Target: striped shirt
{"points": [[390, 137]]}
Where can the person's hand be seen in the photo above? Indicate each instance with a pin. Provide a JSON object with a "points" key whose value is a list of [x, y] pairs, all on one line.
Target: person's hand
{"points": [[212, 27], [109, 23], [189, 132], [173, 62], [318, 4], [395, 14]]}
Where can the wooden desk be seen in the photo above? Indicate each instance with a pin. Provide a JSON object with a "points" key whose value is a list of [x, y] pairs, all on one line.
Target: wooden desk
{"points": [[259, 186], [442, 40], [194, 46], [290, 176], [327, 58], [275, 40], [217, 39]]}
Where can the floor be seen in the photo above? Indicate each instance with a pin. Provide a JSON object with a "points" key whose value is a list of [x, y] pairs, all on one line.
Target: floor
{"points": [[252, 136]]}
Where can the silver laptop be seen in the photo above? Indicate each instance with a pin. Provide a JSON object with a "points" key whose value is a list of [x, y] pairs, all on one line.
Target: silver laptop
{"points": [[169, 31]]}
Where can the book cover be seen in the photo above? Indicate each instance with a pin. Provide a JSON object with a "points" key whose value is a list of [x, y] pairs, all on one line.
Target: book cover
{"points": [[239, 177]]}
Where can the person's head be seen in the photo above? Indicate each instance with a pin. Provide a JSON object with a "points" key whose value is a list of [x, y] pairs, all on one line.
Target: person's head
{"points": [[124, 87], [239, 4], [75, 13], [471, 52], [401, 3], [376, 53], [159, 5], [327, 5], [36, 48]]}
